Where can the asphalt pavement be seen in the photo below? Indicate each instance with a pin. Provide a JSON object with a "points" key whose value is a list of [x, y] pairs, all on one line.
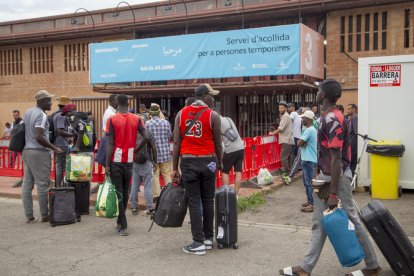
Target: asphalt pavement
{"points": [[271, 237]]}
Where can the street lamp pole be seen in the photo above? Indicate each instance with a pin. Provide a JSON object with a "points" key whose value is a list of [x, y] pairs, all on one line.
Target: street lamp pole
{"points": [[242, 2], [73, 21], [168, 8], [116, 13], [229, 3], [186, 17]]}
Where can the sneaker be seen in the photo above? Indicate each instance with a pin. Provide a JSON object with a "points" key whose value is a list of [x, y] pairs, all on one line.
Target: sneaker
{"points": [[307, 209], [195, 248], [134, 211], [149, 212], [208, 243], [31, 220], [45, 219], [123, 232], [118, 227]]}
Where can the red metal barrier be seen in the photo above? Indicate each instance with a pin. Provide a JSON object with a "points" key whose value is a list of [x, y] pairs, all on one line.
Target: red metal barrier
{"points": [[260, 152]]}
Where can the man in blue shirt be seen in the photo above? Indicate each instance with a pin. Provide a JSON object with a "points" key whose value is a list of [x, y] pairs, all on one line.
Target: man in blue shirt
{"points": [[161, 129], [308, 144]]}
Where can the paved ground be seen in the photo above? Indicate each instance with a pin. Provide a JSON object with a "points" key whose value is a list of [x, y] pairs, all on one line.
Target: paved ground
{"points": [[274, 236]]}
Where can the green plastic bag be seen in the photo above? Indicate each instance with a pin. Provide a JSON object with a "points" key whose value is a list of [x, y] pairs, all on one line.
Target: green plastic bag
{"points": [[107, 201]]}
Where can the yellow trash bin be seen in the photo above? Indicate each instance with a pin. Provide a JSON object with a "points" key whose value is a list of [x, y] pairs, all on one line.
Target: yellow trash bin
{"points": [[385, 168]]}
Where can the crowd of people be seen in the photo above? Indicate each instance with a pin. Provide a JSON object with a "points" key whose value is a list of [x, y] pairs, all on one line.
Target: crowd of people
{"points": [[136, 146], [298, 131]]}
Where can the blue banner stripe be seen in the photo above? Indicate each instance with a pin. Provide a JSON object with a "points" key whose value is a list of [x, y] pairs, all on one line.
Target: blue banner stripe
{"points": [[248, 52]]}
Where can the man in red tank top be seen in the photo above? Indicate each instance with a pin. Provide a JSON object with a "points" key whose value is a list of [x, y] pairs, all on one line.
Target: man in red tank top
{"points": [[121, 130], [197, 143]]}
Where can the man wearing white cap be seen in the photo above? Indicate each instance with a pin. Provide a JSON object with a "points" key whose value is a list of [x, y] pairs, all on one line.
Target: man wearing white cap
{"points": [[308, 145], [37, 157]]}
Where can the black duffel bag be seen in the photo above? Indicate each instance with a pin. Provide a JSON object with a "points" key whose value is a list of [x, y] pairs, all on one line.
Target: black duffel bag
{"points": [[387, 150], [17, 138], [171, 207]]}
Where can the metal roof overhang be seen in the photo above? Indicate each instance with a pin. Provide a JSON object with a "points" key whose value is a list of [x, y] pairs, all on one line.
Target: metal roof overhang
{"points": [[226, 88]]}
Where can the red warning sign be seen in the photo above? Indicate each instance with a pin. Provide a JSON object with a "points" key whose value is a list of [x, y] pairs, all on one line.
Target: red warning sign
{"points": [[385, 75]]}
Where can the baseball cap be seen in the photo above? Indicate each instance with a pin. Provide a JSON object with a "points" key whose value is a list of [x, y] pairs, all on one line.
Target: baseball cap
{"points": [[204, 89], [154, 110], [63, 100], [68, 108], [308, 114], [42, 94]]}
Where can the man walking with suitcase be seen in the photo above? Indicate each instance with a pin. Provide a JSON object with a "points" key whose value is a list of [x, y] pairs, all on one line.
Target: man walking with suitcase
{"points": [[197, 141], [122, 130], [333, 163]]}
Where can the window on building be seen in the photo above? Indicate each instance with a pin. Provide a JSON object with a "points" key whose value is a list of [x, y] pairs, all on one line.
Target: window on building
{"points": [[41, 60], [407, 29], [11, 62], [350, 32], [76, 57], [367, 29], [375, 42], [384, 30], [342, 38], [358, 33]]}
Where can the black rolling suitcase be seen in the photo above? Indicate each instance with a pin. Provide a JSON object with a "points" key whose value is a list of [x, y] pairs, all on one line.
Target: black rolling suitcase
{"points": [[389, 237], [226, 217], [62, 206], [82, 195]]}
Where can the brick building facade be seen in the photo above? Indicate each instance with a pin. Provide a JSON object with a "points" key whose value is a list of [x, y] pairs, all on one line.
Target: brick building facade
{"points": [[380, 30], [51, 53]]}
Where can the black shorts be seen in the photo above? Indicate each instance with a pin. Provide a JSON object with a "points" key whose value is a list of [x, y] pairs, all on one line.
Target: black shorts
{"points": [[233, 159]]}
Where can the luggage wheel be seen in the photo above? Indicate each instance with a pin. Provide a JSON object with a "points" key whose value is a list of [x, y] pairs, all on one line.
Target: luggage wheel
{"points": [[220, 246], [235, 246], [399, 191], [52, 224]]}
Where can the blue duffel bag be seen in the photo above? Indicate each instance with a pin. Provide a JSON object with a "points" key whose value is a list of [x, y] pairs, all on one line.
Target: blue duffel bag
{"points": [[341, 233]]}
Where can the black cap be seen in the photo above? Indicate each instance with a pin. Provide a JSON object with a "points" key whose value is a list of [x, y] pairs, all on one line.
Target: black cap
{"points": [[204, 89]]}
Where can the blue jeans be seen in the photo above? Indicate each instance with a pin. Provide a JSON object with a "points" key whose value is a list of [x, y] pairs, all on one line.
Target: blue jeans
{"points": [[142, 173], [308, 172]]}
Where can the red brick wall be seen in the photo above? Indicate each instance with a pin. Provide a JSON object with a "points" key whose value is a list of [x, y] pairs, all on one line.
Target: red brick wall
{"points": [[340, 67]]}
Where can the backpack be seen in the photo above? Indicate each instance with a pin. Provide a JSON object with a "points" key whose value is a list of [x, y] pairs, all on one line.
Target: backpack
{"points": [[52, 130], [17, 138], [171, 207], [142, 150], [88, 139], [230, 133]]}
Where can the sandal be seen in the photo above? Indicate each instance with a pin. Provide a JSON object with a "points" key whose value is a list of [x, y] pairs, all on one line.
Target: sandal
{"points": [[293, 271], [305, 204], [366, 272], [307, 209]]}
